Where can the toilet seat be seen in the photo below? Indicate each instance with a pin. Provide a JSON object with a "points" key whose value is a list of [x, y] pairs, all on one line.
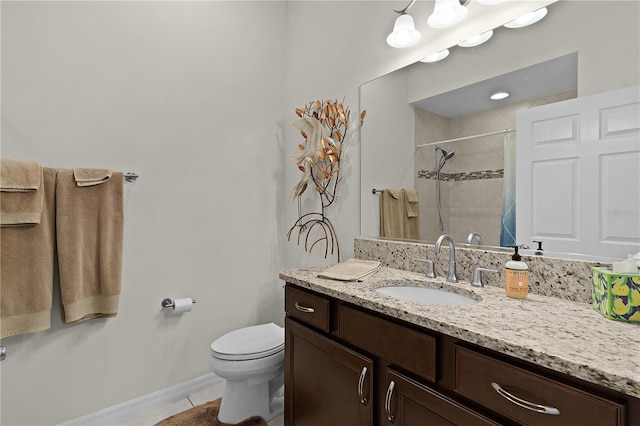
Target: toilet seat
{"points": [[249, 343]]}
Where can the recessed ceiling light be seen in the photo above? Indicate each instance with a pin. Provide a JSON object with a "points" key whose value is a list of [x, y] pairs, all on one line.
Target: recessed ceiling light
{"points": [[498, 95], [435, 57]]}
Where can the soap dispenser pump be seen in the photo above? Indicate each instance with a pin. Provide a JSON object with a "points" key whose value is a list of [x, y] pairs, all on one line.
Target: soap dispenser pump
{"points": [[539, 249], [516, 276]]}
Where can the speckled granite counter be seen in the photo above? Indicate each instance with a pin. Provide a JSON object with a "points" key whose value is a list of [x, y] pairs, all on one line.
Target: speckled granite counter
{"points": [[562, 335]]}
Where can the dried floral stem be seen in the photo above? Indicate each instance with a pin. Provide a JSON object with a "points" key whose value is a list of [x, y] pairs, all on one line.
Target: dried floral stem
{"points": [[324, 126]]}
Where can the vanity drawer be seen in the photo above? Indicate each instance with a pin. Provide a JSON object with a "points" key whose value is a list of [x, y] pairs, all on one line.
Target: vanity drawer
{"points": [[307, 306], [401, 346], [516, 393]]}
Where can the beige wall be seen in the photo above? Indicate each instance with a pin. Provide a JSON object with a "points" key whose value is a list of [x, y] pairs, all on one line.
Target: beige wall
{"points": [[203, 112], [172, 91]]}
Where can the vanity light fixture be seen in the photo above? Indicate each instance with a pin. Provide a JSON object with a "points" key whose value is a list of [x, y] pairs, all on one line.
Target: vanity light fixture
{"points": [[476, 40], [404, 32], [435, 57], [490, 2], [499, 95], [528, 19], [446, 13]]}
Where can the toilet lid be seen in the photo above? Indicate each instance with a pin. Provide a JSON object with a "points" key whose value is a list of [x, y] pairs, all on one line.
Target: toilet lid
{"points": [[254, 342]]}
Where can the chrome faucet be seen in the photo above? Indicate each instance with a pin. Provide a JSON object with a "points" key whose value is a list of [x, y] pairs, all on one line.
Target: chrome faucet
{"points": [[451, 273], [476, 236]]}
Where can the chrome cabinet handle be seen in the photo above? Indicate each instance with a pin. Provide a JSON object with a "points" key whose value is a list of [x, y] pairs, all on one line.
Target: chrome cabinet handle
{"points": [[387, 402], [525, 404], [305, 309], [363, 376]]}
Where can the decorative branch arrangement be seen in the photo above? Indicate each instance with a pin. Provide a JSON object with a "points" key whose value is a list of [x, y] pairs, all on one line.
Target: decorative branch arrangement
{"points": [[323, 125]]}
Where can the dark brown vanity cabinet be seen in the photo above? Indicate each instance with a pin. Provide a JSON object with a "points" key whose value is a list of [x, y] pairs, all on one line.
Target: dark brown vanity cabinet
{"points": [[345, 365]]}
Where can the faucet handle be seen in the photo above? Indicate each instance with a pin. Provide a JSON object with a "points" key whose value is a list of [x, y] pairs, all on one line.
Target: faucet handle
{"points": [[477, 276], [431, 271]]}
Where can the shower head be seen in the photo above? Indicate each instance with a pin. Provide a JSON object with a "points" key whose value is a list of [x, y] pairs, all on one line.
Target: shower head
{"points": [[445, 154]]}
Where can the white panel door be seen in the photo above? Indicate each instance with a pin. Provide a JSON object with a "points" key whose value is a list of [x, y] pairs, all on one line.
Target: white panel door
{"points": [[578, 175]]}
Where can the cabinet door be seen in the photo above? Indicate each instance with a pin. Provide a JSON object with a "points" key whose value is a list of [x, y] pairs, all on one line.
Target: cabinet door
{"points": [[326, 383], [409, 403]]}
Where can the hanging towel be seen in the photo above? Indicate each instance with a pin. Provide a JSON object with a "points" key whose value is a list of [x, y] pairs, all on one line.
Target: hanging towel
{"points": [[19, 175], [411, 202], [90, 177], [89, 223], [391, 212], [27, 268], [21, 192], [411, 215]]}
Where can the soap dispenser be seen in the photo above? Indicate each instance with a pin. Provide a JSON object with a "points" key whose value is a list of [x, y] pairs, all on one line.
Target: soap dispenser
{"points": [[539, 249], [516, 277]]}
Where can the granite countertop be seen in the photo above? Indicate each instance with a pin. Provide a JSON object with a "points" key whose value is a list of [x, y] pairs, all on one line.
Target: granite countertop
{"points": [[565, 336]]}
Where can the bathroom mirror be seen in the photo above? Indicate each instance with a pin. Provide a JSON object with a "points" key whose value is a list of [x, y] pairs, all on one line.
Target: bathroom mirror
{"points": [[397, 123]]}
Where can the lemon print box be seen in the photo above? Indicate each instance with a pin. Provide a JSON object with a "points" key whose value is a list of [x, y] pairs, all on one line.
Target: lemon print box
{"points": [[616, 295]]}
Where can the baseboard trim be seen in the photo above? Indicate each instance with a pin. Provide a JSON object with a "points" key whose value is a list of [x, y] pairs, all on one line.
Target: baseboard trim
{"points": [[115, 414]]}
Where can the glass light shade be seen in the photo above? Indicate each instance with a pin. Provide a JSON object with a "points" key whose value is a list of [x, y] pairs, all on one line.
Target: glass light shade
{"points": [[446, 13], [528, 19], [435, 57], [404, 33], [490, 2], [476, 40]]}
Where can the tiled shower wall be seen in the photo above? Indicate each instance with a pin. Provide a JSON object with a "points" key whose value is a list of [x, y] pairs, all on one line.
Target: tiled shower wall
{"points": [[471, 182]]}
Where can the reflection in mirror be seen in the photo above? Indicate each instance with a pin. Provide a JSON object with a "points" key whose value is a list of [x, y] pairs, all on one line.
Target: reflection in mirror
{"points": [[463, 154], [399, 118]]}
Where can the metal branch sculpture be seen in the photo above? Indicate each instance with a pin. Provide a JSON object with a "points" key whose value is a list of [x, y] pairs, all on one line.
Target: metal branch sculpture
{"points": [[324, 126]]}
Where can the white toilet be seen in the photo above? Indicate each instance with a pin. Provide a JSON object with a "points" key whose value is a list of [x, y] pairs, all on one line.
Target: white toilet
{"points": [[252, 361]]}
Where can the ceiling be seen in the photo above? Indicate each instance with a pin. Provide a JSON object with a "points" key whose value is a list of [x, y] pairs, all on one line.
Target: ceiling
{"points": [[538, 80]]}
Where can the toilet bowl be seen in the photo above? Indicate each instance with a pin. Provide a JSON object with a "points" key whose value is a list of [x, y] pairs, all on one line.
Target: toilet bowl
{"points": [[251, 359]]}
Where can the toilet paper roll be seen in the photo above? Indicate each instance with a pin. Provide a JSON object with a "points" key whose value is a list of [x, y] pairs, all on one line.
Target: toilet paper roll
{"points": [[182, 305]]}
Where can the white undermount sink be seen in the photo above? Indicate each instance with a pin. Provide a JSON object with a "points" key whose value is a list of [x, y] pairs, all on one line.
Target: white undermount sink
{"points": [[426, 295]]}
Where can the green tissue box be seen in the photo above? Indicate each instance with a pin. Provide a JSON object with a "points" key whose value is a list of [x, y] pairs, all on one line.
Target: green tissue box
{"points": [[616, 295]]}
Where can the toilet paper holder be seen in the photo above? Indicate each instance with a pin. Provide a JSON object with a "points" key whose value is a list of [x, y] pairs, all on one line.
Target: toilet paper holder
{"points": [[169, 303]]}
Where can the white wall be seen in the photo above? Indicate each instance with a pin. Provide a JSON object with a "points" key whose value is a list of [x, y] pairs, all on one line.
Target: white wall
{"points": [[172, 91], [153, 87]]}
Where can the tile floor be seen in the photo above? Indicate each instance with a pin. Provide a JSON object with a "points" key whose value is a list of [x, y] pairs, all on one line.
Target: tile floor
{"points": [[148, 417]]}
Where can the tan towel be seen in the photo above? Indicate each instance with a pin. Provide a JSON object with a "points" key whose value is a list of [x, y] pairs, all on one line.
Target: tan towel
{"points": [[89, 223], [411, 216], [21, 192], [391, 212], [90, 177], [19, 175], [411, 204], [351, 270], [26, 269]]}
